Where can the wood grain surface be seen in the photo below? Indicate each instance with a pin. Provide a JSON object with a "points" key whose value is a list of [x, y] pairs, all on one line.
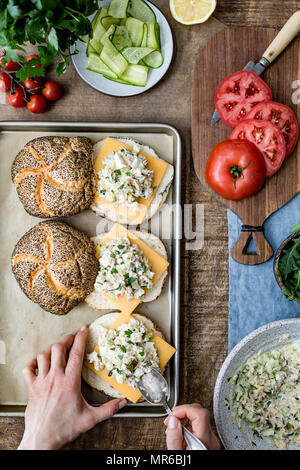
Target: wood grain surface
{"points": [[204, 280], [232, 49]]}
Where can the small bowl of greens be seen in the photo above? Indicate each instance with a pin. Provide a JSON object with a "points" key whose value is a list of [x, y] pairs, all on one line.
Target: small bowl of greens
{"points": [[287, 266]]}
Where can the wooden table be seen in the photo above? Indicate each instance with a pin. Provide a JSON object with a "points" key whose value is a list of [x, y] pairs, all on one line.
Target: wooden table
{"points": [[204, 272]]}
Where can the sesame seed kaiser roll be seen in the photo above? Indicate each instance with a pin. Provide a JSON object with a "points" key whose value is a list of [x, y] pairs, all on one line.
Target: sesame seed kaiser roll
{"points": [[55, 265], [54, 176]]}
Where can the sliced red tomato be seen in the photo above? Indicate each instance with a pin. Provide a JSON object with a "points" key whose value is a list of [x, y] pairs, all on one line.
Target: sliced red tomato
{"points": [[281, 115], [238, 93], [268, 139], [235, 169]]}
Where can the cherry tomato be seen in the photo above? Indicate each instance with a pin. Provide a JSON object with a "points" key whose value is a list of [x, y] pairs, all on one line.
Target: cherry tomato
{"points": [[10, 66], [16, 98], [235, 169], [31, 83], [33, 56], [5, 82], [238, 93], [267, 137], [37, 104], [282, 116], [52, 91]]}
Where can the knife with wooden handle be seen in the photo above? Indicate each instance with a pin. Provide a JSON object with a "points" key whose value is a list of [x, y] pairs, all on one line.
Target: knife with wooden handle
{"points": [[279, 43]]}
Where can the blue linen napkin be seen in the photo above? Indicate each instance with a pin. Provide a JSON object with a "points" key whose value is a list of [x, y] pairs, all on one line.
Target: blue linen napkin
{"points": [[254, 295]]}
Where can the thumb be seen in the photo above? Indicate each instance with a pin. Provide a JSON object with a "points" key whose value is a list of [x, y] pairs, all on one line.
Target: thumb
{"points": [[106, 411], [174, 434]]}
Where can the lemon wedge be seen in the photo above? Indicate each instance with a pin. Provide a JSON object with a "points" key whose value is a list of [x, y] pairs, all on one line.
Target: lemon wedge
{"points": [[192, 11]]}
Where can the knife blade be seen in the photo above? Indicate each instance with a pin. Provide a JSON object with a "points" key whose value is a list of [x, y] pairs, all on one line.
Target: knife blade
{"points": [[279, 43], [257, 68]]}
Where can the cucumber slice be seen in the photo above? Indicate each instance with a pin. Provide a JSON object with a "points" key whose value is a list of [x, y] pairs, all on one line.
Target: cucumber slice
{"points": [[96, 45], [134, 54], [108, 34], [157, 33], [107, 21], [144, 40], [141, 11], [90, 49], [116, 79], [121, 38], [100, 14], [135, 75], [96, 64], [112, 58], [118, 8], [152, 39], [154, 60], [136, 31], [98, 32]]}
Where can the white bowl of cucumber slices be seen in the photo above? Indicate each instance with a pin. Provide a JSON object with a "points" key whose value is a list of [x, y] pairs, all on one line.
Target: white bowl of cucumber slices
{"points": [[129, 50]]}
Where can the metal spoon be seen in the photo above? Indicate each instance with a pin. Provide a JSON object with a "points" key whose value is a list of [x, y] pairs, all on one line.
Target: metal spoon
{"points": [[154, 389]]}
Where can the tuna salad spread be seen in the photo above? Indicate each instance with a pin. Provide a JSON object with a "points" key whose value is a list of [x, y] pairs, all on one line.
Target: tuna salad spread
{"points": [[266, 394], [125, 178], [126, 352], [124, 270]]}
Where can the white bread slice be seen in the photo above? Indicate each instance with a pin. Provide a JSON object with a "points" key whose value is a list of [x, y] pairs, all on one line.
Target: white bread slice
{"points": [[160, 195], [97, 301], [93, 336]]}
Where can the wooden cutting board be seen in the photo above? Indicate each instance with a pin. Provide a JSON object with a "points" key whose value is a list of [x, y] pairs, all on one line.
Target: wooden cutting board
{"points": [[224, 53]]}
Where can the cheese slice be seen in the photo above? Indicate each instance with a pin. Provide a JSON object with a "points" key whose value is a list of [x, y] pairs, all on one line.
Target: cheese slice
{"points": [[158, 166], [158, 265], [164, 350]]}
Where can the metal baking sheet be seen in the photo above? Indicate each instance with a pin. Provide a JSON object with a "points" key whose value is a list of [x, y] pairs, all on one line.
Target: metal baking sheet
{"points": [[138, 131]]}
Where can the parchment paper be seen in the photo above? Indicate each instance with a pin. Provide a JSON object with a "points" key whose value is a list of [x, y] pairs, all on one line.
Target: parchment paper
{"points": [[25, 328]]}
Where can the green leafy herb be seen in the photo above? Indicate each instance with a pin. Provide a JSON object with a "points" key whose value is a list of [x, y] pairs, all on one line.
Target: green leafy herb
{"points": [[123, 348], [128, 332], [289, 269], [52, 25]]}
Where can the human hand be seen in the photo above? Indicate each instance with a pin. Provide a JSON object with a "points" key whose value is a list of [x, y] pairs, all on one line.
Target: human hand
{"points": [[195, 419], [56, 412]]}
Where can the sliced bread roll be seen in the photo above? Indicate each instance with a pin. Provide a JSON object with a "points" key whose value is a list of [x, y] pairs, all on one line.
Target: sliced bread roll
{"points": [[97, 301], [160, 195], [107, 320]]}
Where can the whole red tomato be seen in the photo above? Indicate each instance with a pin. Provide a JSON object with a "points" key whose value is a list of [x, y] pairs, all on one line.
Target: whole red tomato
{"points": [[33, 56], [5, 82], [37, 104], [235, 169], [31, 83], [10, 66], [16, 98], [51, 91]]}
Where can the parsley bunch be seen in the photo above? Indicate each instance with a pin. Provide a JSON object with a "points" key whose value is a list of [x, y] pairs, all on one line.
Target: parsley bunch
{"points": [[54, 25]]}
